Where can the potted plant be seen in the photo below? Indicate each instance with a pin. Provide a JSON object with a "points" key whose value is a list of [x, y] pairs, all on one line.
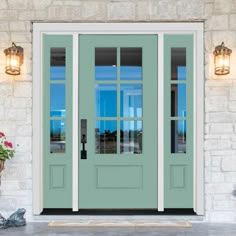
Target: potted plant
{"points": [[6, 150]]}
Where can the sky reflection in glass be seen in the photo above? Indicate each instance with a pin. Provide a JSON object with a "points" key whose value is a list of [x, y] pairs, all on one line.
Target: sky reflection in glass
{"points": [[181, 72], [131, 100], [105, 126], [105, 73], [57, 72], [105, 100], [131, 73], [57, 99], [110, 73]]}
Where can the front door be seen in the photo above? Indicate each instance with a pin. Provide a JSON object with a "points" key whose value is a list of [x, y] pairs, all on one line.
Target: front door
{"points": [[118, 122]]}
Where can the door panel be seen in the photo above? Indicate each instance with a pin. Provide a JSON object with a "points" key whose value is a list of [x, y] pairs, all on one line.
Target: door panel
{"points": [[57, 121], [118, 98], [109, 177], [178, 124]]}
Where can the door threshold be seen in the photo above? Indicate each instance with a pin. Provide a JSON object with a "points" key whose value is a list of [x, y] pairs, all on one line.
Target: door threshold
{"points": [[169, 211]]}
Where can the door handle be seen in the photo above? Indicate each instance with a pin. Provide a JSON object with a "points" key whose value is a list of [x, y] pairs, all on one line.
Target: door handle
{"points": [[83, 138]]}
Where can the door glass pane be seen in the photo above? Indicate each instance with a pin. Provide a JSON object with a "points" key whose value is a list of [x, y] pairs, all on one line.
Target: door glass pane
{"points": [[105, 63], [57, 136], [178, 136], [131, 100], [178, 63], [178, 100], [57, 100], [131, 63], [131, 137], [105, 100], [58, 63], [106, 136]]}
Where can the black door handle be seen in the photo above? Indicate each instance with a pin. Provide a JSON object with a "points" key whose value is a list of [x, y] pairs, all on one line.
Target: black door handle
{"points": [[83, 138]]}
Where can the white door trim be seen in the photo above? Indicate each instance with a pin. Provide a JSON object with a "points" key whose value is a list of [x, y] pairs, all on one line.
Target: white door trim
{"points": [[37, 150], [119, 28], [160, 126], [75, 139], [198, 128]]}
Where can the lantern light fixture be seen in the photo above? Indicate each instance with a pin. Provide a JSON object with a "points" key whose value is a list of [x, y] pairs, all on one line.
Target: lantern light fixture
{"points": [[14, 59], [222, 59]]}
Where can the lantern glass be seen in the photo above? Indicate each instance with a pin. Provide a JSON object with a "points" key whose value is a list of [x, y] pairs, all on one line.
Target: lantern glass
{"points": [[222, 59], [14, 59], [222, 63]]}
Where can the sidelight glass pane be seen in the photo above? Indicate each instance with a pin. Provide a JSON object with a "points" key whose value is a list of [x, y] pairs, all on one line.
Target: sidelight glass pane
{"points": [[106, 136], [131, 101], [178, 136], [181, 73], [131, 63], [131, 137], [57, 64], [105, 100], [57, 100], [178, 100], [57, 136], [105, 63], [57, 73], [178, 63]]}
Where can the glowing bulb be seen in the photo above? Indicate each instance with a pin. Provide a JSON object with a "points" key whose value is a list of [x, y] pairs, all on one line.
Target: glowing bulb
{"points": [[14, 62]]}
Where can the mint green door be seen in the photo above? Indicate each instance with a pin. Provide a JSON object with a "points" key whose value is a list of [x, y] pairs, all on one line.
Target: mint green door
{"points": [[118, 118], [117, 121], [178, 123], [57, 121]]}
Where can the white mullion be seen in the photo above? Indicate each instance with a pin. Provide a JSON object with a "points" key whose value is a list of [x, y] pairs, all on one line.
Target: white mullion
{"points": [[37, 124], [160, 193], [75, 120]]}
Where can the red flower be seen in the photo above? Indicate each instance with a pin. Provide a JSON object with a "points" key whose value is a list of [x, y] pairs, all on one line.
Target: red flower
{"points": [[2, 134], [8, 144]]}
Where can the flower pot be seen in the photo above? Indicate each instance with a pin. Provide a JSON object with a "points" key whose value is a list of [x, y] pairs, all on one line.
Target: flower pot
{"points": [[1, 165]]}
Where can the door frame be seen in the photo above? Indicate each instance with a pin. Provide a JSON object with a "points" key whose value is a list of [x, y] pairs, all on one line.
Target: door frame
{"points": [[75, 29]]}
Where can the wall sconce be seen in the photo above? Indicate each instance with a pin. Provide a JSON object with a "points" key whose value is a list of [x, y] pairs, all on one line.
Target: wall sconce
{"points": [[222, 59], [14, 59]]}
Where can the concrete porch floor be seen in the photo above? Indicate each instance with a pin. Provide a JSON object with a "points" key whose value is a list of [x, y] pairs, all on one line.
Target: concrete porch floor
{"points": [[198, 229]]}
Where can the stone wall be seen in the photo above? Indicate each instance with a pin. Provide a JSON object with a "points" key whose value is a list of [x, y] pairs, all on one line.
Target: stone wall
{"points": [[16, 17], [220, 114]]}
